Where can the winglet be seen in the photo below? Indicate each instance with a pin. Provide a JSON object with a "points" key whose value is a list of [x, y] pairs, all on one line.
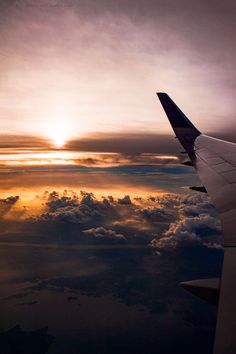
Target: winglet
{"points": [[185, 131], [176, 117]]}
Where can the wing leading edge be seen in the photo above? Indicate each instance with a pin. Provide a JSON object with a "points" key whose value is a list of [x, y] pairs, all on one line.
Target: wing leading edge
{"points": [[215, 163]]}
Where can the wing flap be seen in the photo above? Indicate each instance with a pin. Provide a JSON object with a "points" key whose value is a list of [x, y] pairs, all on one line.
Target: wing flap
{"points": [[225, 339]]}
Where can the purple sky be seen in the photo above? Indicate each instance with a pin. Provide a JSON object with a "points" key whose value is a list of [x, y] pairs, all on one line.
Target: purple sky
{"points": [[71, 69]]}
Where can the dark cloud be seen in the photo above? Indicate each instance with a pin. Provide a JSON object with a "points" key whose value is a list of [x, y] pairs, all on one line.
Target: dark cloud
{"points": [[197, 223], [9, 200], [73, 210], [166, 221], [125, 200], [127, 143], [118, 159], [155, 214], [132, 143], [86, 209], [56, 201], [6, 204], [22, 142], [139, 148], [104, 234], [193, 205]]}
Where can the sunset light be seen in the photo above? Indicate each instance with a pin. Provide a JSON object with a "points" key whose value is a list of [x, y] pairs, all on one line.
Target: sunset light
{"points": [[117, 131], [59, 140], [58, 131]]}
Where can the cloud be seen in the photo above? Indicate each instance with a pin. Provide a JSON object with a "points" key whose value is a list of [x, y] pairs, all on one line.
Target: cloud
{"points": [[131, 144], [111, 149], [9, 200], [197, 224], [105, 234], [75, 209], [21, 142], [55, 201], [163, 221], [125, 159], [7, 204], [155, 214], [125, 200], [129, 215], [193, 205]]}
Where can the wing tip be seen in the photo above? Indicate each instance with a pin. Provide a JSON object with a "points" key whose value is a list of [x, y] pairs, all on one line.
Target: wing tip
{"points": [[159, 94], [184, 129], [176, 117]]}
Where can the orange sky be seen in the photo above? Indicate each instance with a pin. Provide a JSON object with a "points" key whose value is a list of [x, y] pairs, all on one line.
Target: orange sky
{"points": [[79, 78]]}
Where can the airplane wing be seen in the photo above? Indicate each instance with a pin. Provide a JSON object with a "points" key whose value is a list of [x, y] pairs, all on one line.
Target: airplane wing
{"points": [[215, 163]]}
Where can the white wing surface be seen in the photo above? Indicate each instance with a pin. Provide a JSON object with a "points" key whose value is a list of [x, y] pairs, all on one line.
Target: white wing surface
{"points": [[215, 163]]}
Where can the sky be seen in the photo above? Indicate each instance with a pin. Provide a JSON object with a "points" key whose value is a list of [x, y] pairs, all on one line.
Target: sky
{"points": [[96, 216], [79, 78], [75, 69]]}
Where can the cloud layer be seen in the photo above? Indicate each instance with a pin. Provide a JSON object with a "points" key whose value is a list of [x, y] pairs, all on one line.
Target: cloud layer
{"points": [[162, 221], [197, 224]]}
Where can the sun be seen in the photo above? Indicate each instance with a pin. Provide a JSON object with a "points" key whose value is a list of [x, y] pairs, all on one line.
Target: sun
{"points": [[59, 141], [58, 132], [59, 136]]}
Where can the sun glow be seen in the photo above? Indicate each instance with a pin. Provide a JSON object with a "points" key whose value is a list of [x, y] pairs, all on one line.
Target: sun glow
{"points": [[59, 134], [57, 123], [59, 140], [58, 131]]}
